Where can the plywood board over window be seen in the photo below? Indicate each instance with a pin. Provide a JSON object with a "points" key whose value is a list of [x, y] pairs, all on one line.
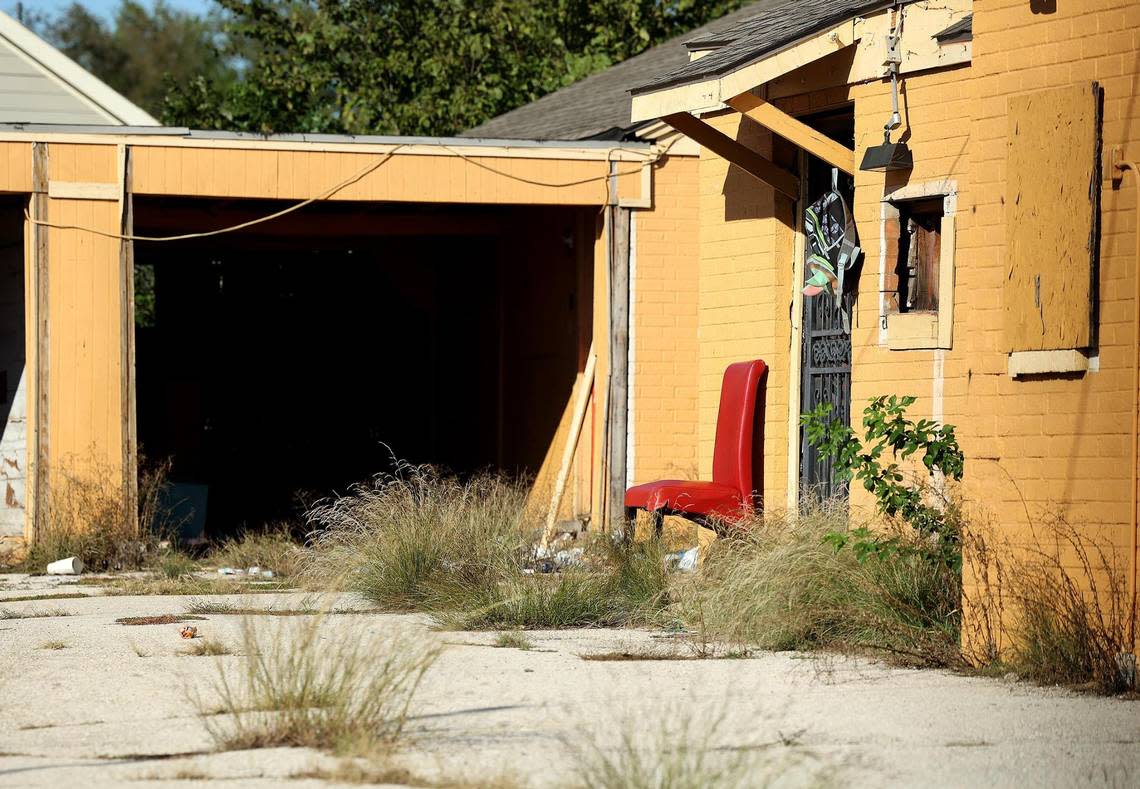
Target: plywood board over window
{"points": [[1052, 204]]}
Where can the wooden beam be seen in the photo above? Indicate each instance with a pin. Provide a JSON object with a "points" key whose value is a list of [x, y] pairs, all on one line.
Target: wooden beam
{"points": [[779, 122], [743, 157], [619, 366]]}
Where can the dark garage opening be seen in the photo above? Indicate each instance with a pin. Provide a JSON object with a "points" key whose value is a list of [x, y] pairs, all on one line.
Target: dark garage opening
{"points": [[282, 363]]}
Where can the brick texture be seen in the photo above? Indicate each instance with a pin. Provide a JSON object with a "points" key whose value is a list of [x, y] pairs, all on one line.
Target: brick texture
{"points": [[665, 327], [1042, 446]]}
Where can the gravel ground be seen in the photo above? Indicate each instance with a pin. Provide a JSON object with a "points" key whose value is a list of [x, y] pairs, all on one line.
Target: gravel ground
{"points": [[113, 706]]}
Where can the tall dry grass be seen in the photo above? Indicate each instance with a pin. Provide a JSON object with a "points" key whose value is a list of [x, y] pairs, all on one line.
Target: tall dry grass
{"points": [[779, 585], [464, 551], [1055, 611], [308, 682], [416, 538], [86, 518]]}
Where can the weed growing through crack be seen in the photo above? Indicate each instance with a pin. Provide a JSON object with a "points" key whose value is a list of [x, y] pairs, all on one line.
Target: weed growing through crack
{"points": [[35, 613], [206, 647], [304, 684], [183, 585], [53, 645], [513, 641], [53, 596], [683, 752], [157, 619]]}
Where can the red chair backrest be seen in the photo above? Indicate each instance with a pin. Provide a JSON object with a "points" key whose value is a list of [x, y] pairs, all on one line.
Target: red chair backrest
{"points": [[738, 454]]}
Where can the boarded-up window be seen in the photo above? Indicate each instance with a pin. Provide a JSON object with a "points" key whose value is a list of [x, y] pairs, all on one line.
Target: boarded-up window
{"points": [[919, 252], [1051, 211]]}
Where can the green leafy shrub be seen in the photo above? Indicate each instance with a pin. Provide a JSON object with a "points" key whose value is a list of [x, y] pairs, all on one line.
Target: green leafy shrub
{"points": [[887, 431]]}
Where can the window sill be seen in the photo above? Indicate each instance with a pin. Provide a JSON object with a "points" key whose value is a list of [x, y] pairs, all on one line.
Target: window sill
{"points": [[913, 331], [1047, 362]]}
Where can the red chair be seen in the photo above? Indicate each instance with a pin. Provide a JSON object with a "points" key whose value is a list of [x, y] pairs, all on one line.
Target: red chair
{"points": [[738, 461]]}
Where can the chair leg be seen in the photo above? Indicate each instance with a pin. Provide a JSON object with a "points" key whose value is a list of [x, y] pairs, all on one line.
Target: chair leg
{"points": [[629, 528], [657, 518]]}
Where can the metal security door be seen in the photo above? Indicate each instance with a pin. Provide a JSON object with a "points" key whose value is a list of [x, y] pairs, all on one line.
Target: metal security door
{"points": [[826, 366]]}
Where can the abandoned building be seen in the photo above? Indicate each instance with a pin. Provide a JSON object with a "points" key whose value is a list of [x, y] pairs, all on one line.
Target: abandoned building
{"points": [[607, 252]]}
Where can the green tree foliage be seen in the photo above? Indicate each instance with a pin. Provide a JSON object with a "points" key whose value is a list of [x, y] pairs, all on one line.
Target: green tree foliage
{"points": [[415, 67], [143, 50]]}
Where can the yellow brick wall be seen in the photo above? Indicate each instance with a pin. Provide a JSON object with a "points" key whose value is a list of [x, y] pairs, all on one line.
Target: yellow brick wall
{"points": [[1057, 444], [1065, 441], [745, 292], [664, 342]]}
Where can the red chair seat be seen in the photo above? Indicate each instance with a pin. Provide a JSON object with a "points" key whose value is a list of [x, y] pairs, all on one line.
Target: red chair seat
{"points": [[738, 460], [686, 496]]}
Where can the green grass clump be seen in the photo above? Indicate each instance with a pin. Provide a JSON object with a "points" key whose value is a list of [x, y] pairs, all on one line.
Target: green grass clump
{"points": [[778, 585], [513, 641], [301, 685], [420, 539]]}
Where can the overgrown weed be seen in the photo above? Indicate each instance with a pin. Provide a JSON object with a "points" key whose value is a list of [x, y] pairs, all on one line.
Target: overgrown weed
{"points": [[459, 550], [86, 518], [301, 685], [1057, 611], [778, 584], [682, 752]]}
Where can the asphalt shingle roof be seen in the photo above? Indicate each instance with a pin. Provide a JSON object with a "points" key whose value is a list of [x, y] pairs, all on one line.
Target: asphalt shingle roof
{"points": [[774, 28], [599, 105]]}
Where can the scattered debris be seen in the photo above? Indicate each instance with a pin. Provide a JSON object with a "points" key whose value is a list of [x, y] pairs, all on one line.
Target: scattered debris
{"points": [[683, 561], [252, 571], [69, 566], [162, 619], [548, 560], [188, 632]]}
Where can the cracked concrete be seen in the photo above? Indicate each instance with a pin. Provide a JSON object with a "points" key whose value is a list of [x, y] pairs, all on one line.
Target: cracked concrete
{"points": [[113, 706]]}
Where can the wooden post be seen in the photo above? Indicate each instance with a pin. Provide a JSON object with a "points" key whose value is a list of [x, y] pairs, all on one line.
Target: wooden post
{"points": [[127, 343], [37, 273], [618, 259]]}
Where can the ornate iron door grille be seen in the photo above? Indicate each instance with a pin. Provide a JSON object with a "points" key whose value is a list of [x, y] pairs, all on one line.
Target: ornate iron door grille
{"points": [[826, 366]]}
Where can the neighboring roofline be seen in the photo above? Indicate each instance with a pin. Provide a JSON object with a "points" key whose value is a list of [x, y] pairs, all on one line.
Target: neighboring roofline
{"points": [[456, 146], [73, 77]]}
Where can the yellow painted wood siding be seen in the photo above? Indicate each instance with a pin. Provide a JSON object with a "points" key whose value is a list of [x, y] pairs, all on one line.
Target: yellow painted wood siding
{"points": [[299, 175]]}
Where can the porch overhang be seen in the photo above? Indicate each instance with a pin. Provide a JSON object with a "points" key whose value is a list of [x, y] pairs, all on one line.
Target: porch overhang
{"points": [[739, 81]]}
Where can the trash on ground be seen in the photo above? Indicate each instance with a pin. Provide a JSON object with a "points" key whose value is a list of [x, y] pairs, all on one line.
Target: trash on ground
{"points": [[69, 566], [189, 632], [227, 571], [683, 561]]}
